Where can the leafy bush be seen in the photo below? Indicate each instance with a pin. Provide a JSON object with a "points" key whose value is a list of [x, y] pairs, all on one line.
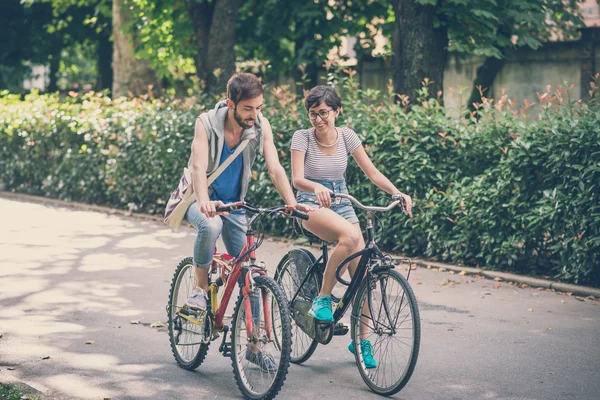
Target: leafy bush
{"points": [[504, 190]]}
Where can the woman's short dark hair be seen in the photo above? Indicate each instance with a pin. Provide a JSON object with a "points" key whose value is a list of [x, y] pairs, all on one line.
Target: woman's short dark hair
{"points": [[243, 86], [322, 94]]}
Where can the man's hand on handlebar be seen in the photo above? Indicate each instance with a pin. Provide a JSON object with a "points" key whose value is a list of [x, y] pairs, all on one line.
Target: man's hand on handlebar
{"points": [[407, 202], [303, 207], [209, 208]]}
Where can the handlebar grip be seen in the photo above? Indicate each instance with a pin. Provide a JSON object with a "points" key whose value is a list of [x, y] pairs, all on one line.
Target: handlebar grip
{"points": [[300, 214], [223, 209]]}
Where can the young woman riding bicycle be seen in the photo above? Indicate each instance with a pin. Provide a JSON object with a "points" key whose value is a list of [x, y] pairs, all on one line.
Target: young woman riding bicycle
{"points": [[319, 161]]}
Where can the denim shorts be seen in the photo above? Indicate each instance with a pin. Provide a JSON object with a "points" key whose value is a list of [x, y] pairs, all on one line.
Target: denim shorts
{"points": [[342, 207]]}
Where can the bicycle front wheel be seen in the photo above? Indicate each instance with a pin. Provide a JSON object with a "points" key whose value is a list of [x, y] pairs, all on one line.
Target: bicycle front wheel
{"points": [[187, 338], [386, 324], [261, 358]]}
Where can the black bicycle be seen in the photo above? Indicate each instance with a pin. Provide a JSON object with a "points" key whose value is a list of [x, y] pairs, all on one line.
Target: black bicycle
{"points": [[384, 310]]}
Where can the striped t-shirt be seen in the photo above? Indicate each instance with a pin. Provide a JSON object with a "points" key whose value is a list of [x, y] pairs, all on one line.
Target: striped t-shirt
{"points": [[318, 165]]}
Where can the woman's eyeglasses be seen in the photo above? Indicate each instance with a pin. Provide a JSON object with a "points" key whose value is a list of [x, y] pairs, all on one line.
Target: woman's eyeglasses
{"points": [[324, 114]]}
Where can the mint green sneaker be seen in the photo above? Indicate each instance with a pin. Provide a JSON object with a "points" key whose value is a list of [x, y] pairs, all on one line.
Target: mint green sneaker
{"points": [[367, 353], [321, 309]]}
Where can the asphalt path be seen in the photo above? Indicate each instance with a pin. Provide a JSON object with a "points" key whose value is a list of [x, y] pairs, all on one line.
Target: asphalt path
{"points": [[68, 277]]}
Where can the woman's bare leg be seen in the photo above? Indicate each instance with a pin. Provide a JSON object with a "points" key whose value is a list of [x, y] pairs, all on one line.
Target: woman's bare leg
{"points": [[364, 319], [331, 227]]}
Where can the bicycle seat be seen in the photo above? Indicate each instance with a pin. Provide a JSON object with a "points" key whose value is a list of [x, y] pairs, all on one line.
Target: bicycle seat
{"points": [[312, 238]]}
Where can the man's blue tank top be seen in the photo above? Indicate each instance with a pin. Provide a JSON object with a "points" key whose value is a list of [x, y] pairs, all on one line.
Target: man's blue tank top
{"points": [[227, 186]]}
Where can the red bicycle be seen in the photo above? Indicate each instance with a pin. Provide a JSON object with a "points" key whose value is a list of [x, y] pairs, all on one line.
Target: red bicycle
{"points": [[260, 339]]}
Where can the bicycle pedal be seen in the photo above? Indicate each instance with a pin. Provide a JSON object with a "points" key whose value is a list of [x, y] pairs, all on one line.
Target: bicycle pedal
{"points": [[225, 349], [340, 329]]}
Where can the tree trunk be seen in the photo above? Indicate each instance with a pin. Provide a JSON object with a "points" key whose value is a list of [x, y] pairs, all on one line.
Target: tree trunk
{"points": [[201, 16], [54, 67], [420, 49], [104, 62], [214, 27], [131, 74], [221, 41], [486, 74]]}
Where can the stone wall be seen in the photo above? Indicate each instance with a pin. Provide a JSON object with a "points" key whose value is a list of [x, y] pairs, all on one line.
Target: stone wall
{"points": [[525, 73]]}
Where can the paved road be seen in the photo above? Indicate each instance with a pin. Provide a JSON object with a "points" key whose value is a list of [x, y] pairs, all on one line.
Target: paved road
{"points": [[67, 277]]}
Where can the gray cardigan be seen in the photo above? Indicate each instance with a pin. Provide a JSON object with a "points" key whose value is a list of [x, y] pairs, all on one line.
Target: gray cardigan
{"points": [[214, 125]]}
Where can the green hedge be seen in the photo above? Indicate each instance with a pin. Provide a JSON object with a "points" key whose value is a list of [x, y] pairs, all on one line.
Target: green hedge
{"points": [[505, 191]]}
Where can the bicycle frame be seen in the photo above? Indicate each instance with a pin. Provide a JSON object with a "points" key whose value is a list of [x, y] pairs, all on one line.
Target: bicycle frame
{"points": [[368, 253], [240, 273]]}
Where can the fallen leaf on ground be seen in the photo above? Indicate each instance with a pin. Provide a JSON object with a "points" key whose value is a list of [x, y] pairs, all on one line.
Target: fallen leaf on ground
{"points": [[497, 279], [524, 285], [541, 288], [134, 322], [549, 329], [448, 282], [589, 298], [46, 358], [497, 285], [158, 324], [478, 276], [442, 269], [451, 272], [463, 273], [579, 298], [413, 266], [530, 309], [90, 342]]}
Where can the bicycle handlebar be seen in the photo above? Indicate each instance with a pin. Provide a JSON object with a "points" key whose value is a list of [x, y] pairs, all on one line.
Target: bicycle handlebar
{"points": [[287, 210], [370, 208]]}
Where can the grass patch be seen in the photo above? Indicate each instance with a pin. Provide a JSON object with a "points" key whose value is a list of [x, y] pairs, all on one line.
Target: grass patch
{"points": [[11, 392]]}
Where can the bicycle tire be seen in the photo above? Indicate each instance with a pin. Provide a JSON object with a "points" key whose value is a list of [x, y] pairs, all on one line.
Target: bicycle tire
{"points": [[404, 301], [197, 353], [243, 369], [303, 346]]}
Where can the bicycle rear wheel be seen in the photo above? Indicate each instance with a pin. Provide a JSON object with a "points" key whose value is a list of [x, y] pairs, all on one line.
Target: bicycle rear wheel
{"points": [[290, 272], [187, 339], [261, 358], [393, 331]]}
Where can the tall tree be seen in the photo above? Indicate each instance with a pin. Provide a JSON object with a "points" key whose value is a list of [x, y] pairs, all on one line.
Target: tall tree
{"points": [[419, 43], [214, 25], [425, 30], [170, 32], [68, 23], [297, 37], [131, 74]]}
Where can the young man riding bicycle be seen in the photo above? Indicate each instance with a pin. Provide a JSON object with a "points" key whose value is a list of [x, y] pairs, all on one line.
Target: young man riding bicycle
{"points": [[218, 133]]}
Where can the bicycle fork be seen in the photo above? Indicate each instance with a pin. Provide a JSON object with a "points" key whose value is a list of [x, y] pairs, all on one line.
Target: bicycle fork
{"points": [[252, 320]]}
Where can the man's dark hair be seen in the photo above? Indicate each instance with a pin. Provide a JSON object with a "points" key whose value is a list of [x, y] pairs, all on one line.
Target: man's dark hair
{"points": [[320, 94], [243, 86]]}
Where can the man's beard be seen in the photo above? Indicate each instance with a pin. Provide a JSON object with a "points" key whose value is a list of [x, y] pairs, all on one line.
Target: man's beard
{"points": [[240, 120]]}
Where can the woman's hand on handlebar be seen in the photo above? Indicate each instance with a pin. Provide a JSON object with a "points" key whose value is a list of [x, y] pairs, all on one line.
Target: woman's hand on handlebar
{"points": [[407, 202], [323, 196], [209, 208]]}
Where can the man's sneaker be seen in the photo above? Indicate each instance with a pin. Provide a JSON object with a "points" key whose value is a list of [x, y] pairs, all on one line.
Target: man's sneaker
{"points": [[265, 363], [197, 299], [367, 353], [321, 309]]}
